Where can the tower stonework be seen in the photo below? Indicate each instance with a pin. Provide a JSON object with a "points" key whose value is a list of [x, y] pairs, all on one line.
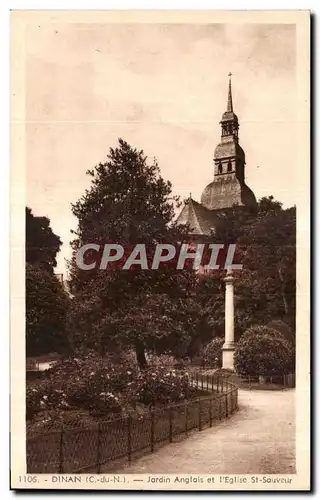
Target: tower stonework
{"points": [[228, 187]]}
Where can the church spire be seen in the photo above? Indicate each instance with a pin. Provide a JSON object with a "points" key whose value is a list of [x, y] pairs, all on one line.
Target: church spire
{"points": [[230, 105], [229, 121]]}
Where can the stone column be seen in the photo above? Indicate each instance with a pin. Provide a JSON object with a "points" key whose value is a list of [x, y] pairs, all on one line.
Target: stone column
{"points": [[228, 346]]}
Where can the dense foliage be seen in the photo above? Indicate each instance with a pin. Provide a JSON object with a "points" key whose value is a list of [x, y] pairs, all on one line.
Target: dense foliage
{"points": [[46, 312], [105, 387], [46, 300], [42, 245], [167, 311], [212, 354], [265, 288], [128, 202], [263, 351]]}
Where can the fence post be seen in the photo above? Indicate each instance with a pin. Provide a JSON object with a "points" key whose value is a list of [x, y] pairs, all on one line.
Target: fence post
{"points": [[210, 413], [99, 449], [170, 424], [186, 415], [200, 422], [152, 431], [129, 426], [226, 397], [217, 384], [61, 450]]}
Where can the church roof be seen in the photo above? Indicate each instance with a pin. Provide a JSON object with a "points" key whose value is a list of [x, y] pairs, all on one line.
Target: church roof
{"points": [[225, 193], [228, 188], [201, 220], [228, 147]]}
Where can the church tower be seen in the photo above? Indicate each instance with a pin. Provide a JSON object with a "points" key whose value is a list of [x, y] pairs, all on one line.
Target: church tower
{"points": [[228, 187]]}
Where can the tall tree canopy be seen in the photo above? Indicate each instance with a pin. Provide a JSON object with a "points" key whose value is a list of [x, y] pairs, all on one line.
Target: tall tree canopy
{"points": [[46, 300], [128, 202], [265, 288], [170, 310], [46, 313], [42, 245]]}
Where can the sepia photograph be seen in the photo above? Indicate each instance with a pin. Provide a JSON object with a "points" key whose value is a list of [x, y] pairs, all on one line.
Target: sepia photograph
{"points": [[160, 246]]}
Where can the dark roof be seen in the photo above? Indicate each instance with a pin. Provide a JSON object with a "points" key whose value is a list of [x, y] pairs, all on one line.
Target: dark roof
{"points": [[229, 116], [201, 220], [228, 147], [226, 192]]}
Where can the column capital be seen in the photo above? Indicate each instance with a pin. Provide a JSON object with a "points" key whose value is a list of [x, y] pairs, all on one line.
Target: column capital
{"points": [[229, 277]]}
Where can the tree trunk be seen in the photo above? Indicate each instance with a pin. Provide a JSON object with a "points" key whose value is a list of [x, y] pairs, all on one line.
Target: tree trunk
{"points": [[284, 298], [140, 354]]}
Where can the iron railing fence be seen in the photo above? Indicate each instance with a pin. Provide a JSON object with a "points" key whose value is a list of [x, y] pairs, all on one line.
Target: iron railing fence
{"points": [[285, 380], [71, 450]]}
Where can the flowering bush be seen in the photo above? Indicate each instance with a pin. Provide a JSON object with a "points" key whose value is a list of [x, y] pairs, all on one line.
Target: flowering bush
{"points": [[163, 386], [33, 398], [212, 355], [91, 373], [99, 386], [105, 403], [163, 360], [263, 351], [88, 382]]}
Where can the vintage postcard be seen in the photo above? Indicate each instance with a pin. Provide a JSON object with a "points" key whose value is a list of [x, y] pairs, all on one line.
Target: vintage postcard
{"points": [[160, 246]]}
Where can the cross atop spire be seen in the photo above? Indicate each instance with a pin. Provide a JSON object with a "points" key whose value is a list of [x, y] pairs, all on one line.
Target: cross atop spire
{"points": [[230, 105]]}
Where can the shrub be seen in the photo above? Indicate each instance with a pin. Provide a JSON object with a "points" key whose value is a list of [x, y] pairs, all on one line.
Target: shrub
{"points": [[33, 399], [163, 386], [95, 384], [88, 382], [212, 355], [282, 328], [91, 373], [163, 360], [261, 330], [262, 351]]}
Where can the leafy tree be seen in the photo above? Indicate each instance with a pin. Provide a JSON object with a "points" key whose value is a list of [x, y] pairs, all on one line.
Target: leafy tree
{"points": [[263, 351], [42, 245], [265, 238], [46, 309], [128, 202]]}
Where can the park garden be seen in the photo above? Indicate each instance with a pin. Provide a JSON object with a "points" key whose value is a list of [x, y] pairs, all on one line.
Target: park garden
{"points": [[127, 342]]}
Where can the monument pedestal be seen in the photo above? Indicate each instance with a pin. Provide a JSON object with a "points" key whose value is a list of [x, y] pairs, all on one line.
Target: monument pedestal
{"points": [[227, 356], [228, 346]]}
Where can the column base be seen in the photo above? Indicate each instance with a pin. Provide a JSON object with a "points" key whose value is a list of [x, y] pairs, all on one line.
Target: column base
{"points": [[228, 356]]}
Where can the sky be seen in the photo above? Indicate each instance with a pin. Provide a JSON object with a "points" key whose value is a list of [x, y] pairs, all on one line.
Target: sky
{"points": [[162, 88]]}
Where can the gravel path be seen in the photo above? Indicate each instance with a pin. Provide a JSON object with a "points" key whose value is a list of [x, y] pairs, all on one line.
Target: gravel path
{"points": [[258, 439]]}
